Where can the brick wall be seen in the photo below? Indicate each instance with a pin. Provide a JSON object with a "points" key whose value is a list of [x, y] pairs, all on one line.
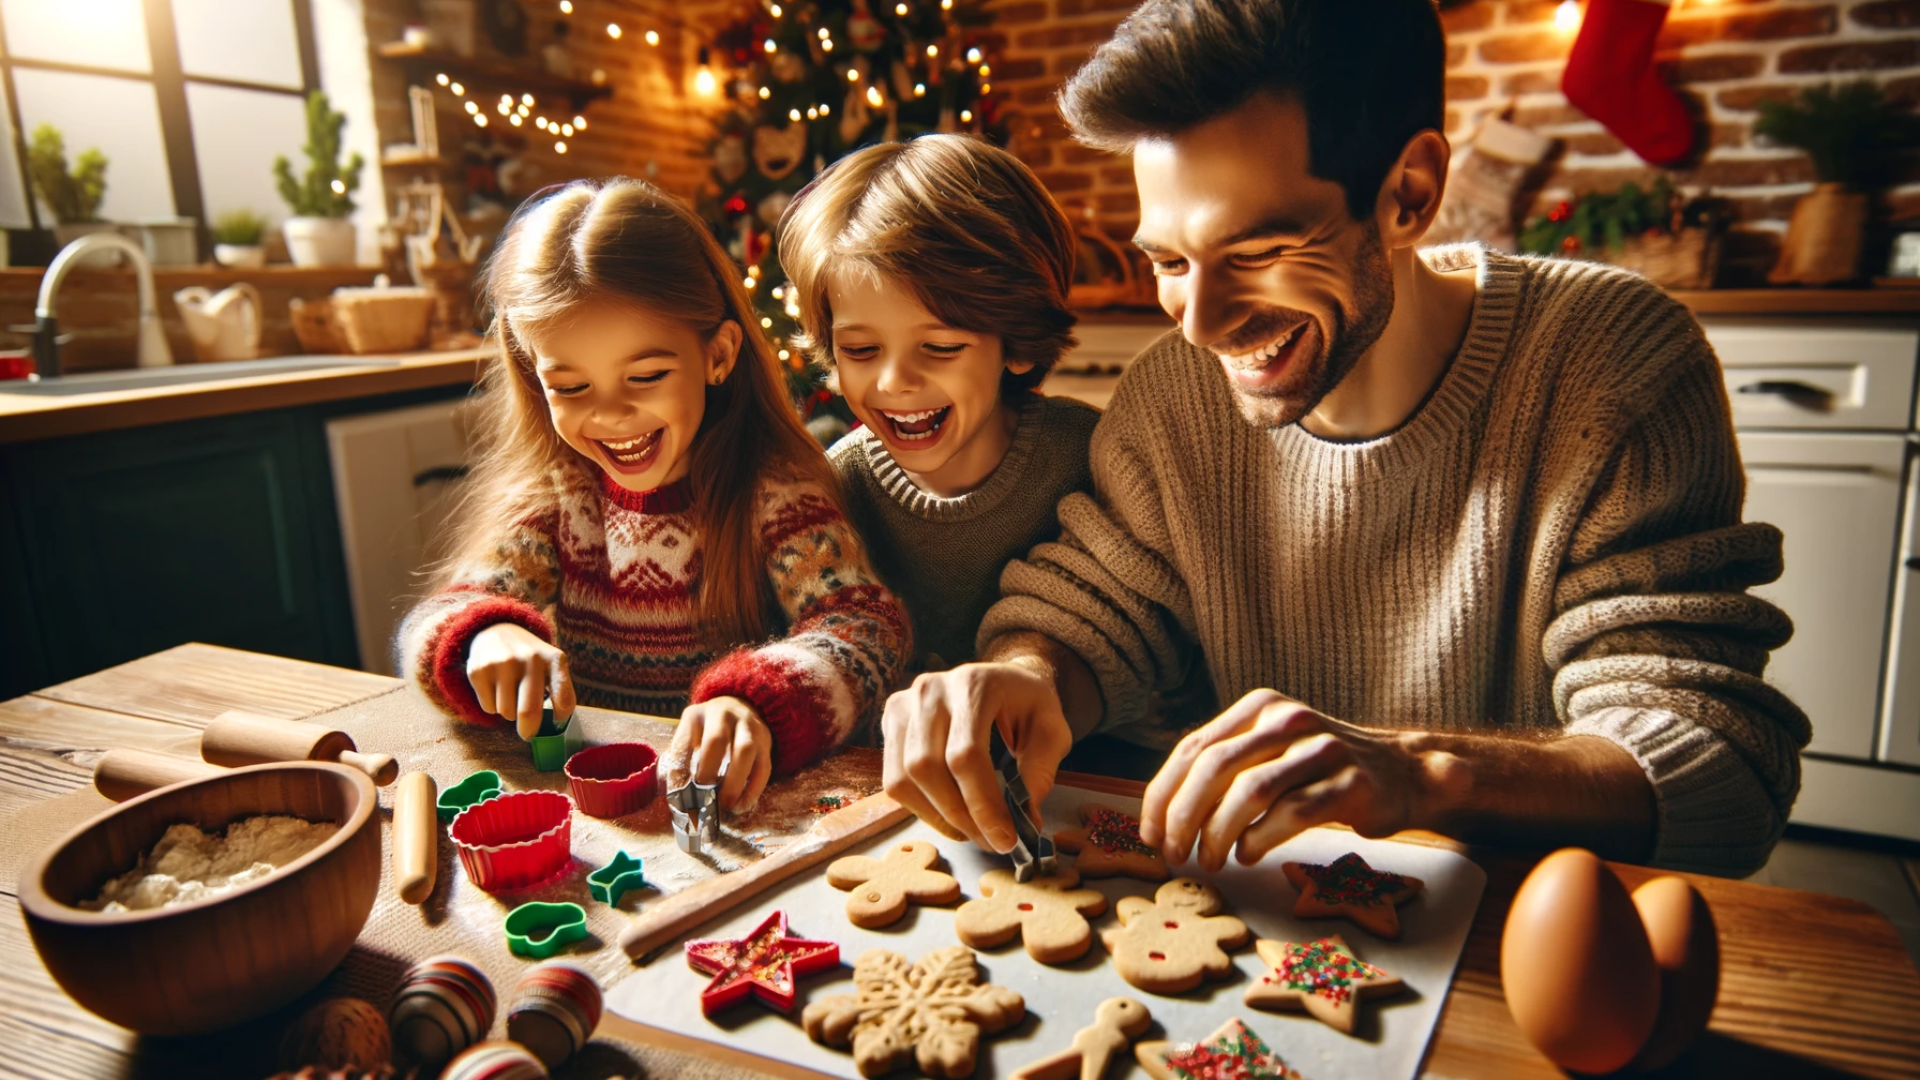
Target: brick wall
{"points": [[653, 125], [1726, 54]]}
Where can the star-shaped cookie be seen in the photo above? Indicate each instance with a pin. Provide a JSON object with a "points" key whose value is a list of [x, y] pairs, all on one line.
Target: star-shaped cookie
{"points": [[1323, 977], [1348, 888], [765, 964], [882, 888], [1230, 1053], [1108, 844]]}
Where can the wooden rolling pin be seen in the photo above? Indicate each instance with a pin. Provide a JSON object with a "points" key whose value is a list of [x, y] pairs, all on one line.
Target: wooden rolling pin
{"points": [[416, 837], [666, 921], [121, 774], [239, 738]]}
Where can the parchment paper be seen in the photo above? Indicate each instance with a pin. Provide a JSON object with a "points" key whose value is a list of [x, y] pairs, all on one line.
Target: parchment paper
{"points": [[1389, 1040]]}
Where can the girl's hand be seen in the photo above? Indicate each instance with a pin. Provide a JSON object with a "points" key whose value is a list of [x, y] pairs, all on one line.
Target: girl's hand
{"points": [[512, 671], [722, 730]]}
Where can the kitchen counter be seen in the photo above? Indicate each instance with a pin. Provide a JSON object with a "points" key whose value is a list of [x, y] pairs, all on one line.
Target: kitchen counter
{"points": [[25, 417]]}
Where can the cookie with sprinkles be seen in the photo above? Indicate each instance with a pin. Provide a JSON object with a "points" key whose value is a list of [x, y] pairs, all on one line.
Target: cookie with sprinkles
{"points": [[766, 964], [1230, 1053], [1323, 978], [1108, 844], [1348, 888]]}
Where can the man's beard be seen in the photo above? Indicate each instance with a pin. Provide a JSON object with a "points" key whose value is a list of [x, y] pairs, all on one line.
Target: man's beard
{"points": [[1358, 323]]}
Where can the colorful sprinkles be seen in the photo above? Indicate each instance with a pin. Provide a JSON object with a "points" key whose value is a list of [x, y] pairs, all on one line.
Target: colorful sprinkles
{"points": [[766, 964], [1116, 833], [1349, 881], [1325, 967], [1232, 1053]]}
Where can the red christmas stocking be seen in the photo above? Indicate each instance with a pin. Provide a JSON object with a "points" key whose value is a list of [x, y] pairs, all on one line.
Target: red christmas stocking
{"points": [[1610, 77]]}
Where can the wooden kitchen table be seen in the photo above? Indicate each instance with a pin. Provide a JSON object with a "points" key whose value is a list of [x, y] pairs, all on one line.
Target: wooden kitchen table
{"points": [[1811, 985]]}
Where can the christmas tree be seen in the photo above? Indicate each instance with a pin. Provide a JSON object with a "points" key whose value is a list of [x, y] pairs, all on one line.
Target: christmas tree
{"points": [[809, 82]]}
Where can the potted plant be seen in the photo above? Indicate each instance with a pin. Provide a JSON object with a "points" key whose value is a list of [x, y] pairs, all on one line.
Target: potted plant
{"points": [[72, 194], [319, 234], [1854, 135], [236, 240]]}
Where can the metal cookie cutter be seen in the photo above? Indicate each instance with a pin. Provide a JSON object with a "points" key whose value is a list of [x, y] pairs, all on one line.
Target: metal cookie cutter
{"points": [[695, 810], [1032, 850]]}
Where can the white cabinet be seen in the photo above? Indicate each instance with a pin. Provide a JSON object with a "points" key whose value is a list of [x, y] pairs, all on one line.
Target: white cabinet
{"points": [[1900, 719], [1837, 500]]}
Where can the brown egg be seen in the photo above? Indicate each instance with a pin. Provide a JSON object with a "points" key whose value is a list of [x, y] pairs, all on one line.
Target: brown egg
{"points": [[1578, 971], [1687, 952]]}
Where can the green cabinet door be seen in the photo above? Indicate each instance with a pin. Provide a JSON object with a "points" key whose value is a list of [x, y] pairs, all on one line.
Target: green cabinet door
{"points": [[218, 530]]}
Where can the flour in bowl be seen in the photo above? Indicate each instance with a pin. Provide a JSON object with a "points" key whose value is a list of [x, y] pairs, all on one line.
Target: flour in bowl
{"points": [[190, 864]]}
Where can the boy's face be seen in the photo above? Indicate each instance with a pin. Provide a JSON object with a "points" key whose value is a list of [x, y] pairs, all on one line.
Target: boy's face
{"points": [[929, 391], [627, 388], [1260, 262]]}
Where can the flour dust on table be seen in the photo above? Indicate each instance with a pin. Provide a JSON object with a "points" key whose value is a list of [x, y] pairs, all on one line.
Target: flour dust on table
{"points": [[1389, 1036]]}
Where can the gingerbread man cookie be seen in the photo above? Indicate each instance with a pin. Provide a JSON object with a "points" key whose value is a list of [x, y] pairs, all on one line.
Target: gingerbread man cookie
{"points": [[1167, 945], [1231, 1051], [1108, 844], [932, 1012], [1115, 1025], [1322, 977], [882, 888], [1349, 888], [1048, 913]]}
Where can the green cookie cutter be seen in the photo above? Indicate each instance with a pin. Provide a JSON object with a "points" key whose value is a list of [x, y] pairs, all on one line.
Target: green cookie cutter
{"points": [[607, 883], [476, 788], [556, 742], [539, 930]]}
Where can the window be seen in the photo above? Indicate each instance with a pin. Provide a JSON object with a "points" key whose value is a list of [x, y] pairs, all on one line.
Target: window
{"points": [[190, 100]]}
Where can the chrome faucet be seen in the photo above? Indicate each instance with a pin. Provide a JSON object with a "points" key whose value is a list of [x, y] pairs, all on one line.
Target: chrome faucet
{"points": [[153, 351]]}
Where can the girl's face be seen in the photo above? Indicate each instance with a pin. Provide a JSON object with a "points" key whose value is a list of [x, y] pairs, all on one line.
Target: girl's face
{"points": [[626, 387], [929, 391]]}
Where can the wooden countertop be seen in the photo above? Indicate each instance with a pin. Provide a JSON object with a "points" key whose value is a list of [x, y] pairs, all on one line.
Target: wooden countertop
{"points": [[1811, 985], [25, 417]]}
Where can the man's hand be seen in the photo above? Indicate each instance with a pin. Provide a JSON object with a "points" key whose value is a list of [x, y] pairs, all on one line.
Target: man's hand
{"points": [[722, 740], [1268, 768], [512, 671], [938, 741]]}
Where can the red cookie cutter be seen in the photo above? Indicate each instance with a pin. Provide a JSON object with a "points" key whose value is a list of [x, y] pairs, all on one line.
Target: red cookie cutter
{"points": [[514, 840], [613, 780]]}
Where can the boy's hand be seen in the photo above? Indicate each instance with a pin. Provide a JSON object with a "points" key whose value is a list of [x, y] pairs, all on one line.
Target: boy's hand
{"points": [[512, 671], [938, 759], [722, 733]]}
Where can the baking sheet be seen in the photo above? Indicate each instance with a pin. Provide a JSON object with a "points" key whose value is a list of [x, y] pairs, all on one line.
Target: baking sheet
{"points": [[1389, 1040]]}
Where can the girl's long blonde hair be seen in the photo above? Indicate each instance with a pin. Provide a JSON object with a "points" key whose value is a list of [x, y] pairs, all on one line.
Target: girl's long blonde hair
{"points": [[626, 241]]}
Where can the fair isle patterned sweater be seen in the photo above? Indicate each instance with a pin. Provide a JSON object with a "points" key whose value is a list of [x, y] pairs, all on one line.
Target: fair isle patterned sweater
{"points": [[609, 576]]}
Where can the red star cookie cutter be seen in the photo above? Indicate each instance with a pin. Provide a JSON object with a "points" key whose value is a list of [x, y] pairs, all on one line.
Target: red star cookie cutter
{"points": [[766, 964]]}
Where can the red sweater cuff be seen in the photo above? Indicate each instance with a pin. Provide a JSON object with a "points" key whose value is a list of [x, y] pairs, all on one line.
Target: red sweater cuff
{"points": [[795, 710], [448, 651]]}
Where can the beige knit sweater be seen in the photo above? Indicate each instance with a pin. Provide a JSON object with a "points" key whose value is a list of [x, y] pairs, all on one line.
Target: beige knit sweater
{"points": [[1551, 543]]}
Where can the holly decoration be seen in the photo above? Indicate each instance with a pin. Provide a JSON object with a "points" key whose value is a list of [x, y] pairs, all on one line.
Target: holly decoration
{"points": [[809, 81], [1601, 222]]}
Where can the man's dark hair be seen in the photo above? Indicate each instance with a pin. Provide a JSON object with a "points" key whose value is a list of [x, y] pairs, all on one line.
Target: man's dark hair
{"points": [[1370, 74]]}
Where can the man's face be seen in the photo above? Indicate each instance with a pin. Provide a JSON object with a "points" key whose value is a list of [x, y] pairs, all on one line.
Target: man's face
{"points": [[1260, 262]]}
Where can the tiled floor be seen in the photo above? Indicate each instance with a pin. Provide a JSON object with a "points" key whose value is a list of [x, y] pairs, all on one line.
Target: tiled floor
{"points": [[1882, 875]]}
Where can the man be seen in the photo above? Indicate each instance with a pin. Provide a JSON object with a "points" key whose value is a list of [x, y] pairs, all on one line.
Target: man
{"points": [[1460, 539]]}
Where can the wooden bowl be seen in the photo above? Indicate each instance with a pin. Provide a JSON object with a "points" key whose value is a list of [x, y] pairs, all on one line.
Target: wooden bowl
{"points": [[212, 963]]}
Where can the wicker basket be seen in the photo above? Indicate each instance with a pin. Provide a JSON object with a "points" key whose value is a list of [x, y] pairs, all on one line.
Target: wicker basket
{"points": [[383, 320], [1687, 259], [313, 324]]}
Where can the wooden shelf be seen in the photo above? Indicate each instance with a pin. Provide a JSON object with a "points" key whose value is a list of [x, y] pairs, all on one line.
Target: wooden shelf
{"points": [[492, 73], [413, 160], [1884, 301]]}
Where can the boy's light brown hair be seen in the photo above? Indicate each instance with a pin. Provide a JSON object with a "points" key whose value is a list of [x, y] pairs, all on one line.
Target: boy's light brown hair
{"points": [[961, 224]]}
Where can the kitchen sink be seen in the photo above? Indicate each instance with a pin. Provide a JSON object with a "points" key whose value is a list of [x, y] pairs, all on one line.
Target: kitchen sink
{"points": [[151, 378]]}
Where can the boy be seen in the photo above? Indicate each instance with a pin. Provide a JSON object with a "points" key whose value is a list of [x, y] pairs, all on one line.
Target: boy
{"points": [[933, 276]]}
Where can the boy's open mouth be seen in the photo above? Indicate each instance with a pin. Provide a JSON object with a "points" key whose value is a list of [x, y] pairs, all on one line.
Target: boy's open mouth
{"points": [[633, 455], [917, 427]]}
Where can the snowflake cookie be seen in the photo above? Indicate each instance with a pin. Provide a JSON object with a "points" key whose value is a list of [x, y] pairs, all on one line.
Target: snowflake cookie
{"points": [[932, 1012]]}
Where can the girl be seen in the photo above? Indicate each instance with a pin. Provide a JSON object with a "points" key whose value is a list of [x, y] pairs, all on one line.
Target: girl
{"points": [[646, 502]]}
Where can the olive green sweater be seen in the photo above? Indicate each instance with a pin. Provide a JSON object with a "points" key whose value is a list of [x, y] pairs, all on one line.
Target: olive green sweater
{"points": [[1553, 542], [942, 556]]}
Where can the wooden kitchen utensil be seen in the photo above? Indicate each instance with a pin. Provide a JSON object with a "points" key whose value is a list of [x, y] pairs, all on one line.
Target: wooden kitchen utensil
{"points": [[239, 738], [668, 920], [124, 773], [416, 836]]}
